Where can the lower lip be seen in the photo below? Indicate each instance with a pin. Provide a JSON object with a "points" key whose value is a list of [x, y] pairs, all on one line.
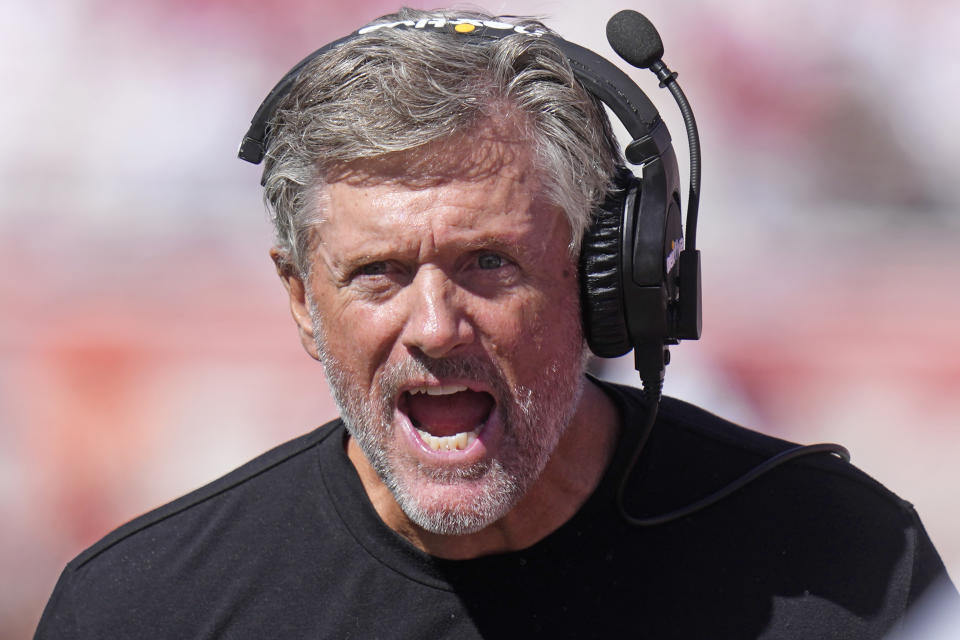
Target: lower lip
{"points": [[487, 438]]}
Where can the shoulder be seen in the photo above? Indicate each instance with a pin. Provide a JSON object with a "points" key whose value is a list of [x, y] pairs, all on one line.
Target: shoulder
{"points": [[149, 577], [260, 476], [813, 534], [720, 448]]}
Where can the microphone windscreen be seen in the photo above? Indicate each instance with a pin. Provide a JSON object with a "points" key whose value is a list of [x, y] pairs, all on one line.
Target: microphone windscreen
{"points": [[634, 38]]}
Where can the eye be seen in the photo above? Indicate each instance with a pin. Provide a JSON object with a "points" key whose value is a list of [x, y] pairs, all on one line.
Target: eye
{"points": [[490, 273], [490, 261], [374, 274], [373, 269]]}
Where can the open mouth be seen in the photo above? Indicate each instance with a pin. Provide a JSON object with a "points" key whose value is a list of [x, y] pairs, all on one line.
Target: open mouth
{"points": [[447, 417]]}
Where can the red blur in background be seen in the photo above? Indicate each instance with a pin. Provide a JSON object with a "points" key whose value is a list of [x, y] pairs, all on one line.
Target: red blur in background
{"points": [[145, 343]]}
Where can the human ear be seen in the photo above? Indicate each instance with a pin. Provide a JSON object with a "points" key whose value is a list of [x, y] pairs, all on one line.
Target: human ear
{"points": [[296, 290]]}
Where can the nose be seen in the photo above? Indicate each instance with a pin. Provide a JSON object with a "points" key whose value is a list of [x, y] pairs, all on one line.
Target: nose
{"points": [[436, 322]]}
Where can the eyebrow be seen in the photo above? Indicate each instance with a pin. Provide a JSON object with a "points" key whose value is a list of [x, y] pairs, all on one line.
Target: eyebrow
{"points": [[346, 264]]}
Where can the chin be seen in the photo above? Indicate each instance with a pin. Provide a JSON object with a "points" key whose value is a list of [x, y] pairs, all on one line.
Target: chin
{"points": [[456, 506]]}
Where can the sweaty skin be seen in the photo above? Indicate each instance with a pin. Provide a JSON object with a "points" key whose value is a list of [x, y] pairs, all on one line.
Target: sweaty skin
{"points": [[449, 327]]}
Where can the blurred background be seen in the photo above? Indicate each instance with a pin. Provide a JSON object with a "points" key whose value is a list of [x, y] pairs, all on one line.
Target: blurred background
{"points": [[145, 343]]}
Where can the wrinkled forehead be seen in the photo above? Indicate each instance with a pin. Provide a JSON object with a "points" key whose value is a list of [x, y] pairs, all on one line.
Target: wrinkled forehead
{"points": [[486, 177]]}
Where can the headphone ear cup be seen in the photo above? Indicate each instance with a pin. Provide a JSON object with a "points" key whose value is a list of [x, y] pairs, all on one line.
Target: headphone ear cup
{"points": [[601, 290]]}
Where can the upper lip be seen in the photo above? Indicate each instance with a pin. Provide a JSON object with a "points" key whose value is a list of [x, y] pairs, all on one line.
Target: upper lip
{"points": [[441, 390], [472, 385]]}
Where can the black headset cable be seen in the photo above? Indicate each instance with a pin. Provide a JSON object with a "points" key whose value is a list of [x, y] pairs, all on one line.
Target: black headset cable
{"points": [[653, 392]]}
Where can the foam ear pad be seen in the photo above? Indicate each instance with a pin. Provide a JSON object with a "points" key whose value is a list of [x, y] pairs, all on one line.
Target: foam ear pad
{"points": [[601, 290]]}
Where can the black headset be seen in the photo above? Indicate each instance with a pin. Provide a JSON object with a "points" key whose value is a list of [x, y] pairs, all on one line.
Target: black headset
{"points": [[640, 286]]}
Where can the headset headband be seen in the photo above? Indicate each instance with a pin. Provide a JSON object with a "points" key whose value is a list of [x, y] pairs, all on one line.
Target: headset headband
{"points": [[598, 76]]}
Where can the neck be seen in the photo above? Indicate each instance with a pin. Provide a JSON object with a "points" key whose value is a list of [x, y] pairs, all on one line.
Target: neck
{"points": [[569, 478]]}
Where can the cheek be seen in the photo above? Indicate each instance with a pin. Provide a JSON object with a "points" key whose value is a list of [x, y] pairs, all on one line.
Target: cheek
{"points": [[359, 338], [530, 330]]}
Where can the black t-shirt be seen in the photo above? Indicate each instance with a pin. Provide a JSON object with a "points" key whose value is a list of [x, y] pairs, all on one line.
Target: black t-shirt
{"points": [[288, 546]]}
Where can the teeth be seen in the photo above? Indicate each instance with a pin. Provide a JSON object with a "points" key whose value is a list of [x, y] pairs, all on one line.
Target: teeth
{"points": [[456, 442], [442, 390]]}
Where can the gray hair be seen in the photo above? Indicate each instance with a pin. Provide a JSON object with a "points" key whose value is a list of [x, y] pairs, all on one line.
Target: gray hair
{"points": [[396, 90]]}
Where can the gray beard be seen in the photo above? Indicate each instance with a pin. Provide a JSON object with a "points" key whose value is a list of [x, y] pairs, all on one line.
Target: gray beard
{"points": [[534, 420]]}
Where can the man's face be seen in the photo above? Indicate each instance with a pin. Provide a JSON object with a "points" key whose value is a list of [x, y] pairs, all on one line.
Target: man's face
{"points": [[446, 315]]}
